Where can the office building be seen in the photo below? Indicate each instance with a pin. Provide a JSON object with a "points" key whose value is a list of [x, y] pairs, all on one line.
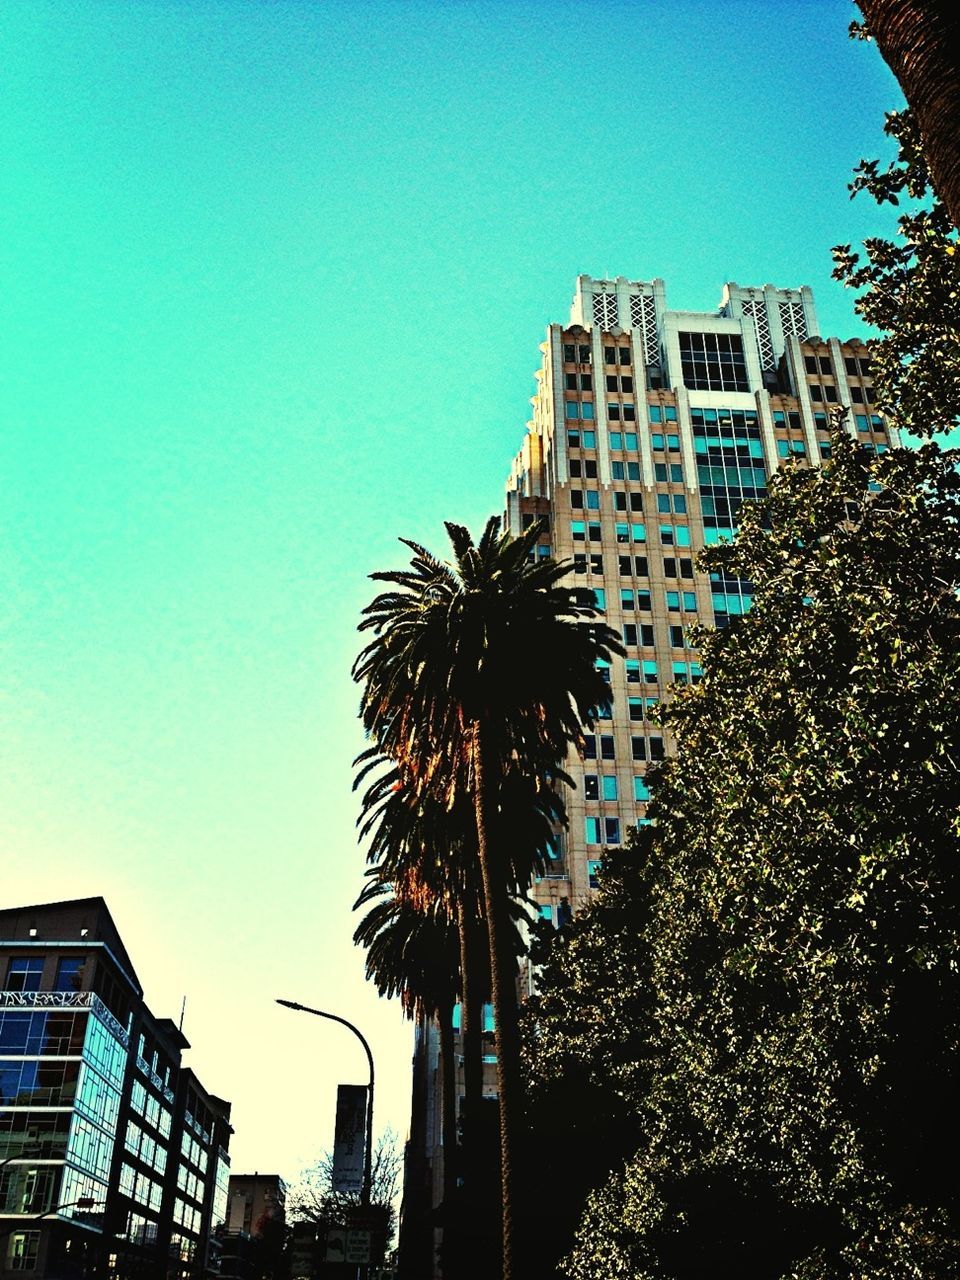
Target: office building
{"points": [[650, 427], [113, 1156]]}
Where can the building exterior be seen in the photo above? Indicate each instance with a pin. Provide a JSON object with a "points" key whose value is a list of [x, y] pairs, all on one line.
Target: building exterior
{"points": [[650, 427], [113, 1156]]}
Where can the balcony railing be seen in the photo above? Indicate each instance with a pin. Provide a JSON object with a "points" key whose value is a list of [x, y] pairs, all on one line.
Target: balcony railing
{"points": [[65, 1000]]}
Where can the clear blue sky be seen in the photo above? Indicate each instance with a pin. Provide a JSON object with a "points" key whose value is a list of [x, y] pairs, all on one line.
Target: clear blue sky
{"points": [[272, 279]]}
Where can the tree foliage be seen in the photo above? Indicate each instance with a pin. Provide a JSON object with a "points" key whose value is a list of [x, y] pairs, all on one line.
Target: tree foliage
{"points": [[312, 1198], [782, 1019]]}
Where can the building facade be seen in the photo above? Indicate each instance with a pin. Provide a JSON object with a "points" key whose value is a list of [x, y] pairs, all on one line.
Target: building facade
{"points": [[650, 427], [113, 1156]]}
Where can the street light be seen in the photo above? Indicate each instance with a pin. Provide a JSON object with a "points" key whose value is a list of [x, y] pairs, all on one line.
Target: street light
{"points": [[367, 1162], [84, 1202]]}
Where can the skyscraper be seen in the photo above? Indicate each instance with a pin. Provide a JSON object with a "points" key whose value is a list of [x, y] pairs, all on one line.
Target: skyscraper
{"points": [[650, 427]]}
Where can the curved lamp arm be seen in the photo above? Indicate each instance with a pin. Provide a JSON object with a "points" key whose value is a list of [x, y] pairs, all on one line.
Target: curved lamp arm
{"points": [[368, 1156]]}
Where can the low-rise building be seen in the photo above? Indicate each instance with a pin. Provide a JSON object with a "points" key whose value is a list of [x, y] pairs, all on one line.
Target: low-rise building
{"points": [[113, 1156]]}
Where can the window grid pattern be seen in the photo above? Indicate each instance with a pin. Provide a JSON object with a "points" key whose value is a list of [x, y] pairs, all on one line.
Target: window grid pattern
{"points": [[713, 362], [643, 316], [605, 309], [792, 319], [730, 466], [757, 312]]}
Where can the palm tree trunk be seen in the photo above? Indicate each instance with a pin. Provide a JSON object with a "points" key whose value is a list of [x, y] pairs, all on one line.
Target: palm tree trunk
{"points": [[920, 42], [504, 992], [448, 1087], [471, 1029]]}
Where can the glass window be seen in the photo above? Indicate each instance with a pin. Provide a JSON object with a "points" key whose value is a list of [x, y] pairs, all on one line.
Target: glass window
{"points": [[578, 530], [611, 830], [655, 413], [626, 600], [69, 973], [630, 441], [593, 500], [633, 671], [630, 415], [638, 748], [690, 601], [713, 362], [670, 413], [24, 973], [609, 789], [589, 438], [638, 532], [616, 439], [593, 872], [641, 792], [586, 410], [663, 503], [593, 532], [591, 786], [607, 747], [572, 409], [616, 470], [633, 470]]}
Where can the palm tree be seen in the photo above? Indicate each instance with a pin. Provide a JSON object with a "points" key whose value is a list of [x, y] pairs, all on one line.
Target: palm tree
{"points": [[920, 41], [476, 670], [427, 852]]}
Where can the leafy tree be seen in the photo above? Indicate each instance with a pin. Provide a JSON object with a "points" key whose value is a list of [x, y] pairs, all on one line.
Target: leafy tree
{"points": [[449, 696], [313, 1199], [790, 995]]}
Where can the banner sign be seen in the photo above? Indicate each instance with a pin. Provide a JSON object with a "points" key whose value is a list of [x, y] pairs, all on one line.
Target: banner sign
{"points": [[350, 1135]]}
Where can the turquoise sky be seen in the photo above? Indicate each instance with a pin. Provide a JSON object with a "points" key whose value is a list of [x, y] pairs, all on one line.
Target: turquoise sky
{"points": [[273, 278]]}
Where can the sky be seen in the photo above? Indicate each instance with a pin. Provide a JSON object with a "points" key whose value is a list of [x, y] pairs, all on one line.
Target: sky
{"points": [[273, 277]]}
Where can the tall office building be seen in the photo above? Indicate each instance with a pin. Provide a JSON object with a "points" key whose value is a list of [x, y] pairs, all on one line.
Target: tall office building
{"points": [[113, 1156], [650, 428]]}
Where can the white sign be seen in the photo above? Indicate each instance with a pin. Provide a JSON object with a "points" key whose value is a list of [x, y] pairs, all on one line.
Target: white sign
{"points": [[350, 1138]]}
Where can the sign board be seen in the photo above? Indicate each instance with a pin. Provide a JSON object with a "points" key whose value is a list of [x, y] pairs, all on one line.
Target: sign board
{"points": [[350, 1138], [336, 1245], [358, 1246]]}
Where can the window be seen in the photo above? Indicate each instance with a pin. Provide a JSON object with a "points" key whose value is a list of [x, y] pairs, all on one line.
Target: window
{"points": [[673, 472], [677, 639], [619, 500], [25, 973], [654, 413], [663, 503], [816, 392], [590, 466], [591, 786], [630, 415], [646, 634], [611, 382], [611, 830], [856, 395], [625, 564], [643, 601], [606, 747], [589, 439], [593, 872], [641, 792], [593, 532], [635, 708], [626, 356], [633, 470], [616, 470], [593, 499], [570, 381], [599, 598], [713, 362], [670, 566], [609, 786], [22, 1250], [579, 563], [583, 351], [633, 670], [569, 353], [638, 533], [596, 564], [592, 830], [636, 502], [638, 748], [656, 748], [673, 601], [649, 669], [586, 382], [590, 748], [627, 599], [609, 355], [576, 499], [630, 635], [578, 530], [69, 973]]}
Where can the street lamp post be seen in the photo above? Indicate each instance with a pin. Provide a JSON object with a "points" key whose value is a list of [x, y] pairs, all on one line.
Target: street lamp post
{"points": [[368, 1157], [84, 1202]]}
